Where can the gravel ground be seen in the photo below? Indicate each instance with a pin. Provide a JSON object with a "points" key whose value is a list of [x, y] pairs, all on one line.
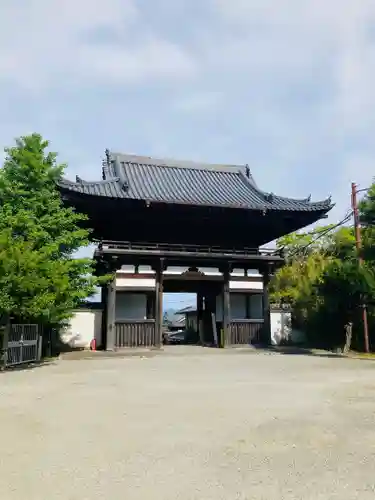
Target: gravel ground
{"points": [[201, 424]]}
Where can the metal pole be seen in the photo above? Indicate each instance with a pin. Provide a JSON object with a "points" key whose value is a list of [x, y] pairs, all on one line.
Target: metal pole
{"points": [[358, 243]]}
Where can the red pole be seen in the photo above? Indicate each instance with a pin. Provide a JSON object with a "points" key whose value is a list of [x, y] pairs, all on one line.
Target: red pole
{"points": [[358, 243]]}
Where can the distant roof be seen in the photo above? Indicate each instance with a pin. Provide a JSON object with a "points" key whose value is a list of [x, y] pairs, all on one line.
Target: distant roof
{"points": [[176, 320], [184, 182], [187, 309]]}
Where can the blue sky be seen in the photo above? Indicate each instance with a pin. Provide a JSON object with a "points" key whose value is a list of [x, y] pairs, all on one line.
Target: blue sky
{"points": [[287, 86]]}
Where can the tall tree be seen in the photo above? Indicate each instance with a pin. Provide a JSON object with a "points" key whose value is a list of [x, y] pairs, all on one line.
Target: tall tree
{"points": [[324, 283], [40, 279]]}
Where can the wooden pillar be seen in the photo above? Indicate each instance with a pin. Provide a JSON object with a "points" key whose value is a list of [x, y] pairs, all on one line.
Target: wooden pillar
{"points": [[225, 341], [200, 317], [159, 304], [111, 316], [266, 308]]}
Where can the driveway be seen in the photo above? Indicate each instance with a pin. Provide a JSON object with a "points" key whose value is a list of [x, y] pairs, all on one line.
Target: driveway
{"points": [[192, 424]]}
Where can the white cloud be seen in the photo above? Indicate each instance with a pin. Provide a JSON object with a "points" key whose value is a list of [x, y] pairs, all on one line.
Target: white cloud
{"points": [[198, 101], [287, 39], [153, 59], [47, 41], [300, 44], [284, 85]]}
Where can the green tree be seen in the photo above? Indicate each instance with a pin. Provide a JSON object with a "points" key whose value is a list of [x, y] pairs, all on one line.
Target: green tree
{"points": [[40, 280], [324, 283], [307, 255], [367, 218]]}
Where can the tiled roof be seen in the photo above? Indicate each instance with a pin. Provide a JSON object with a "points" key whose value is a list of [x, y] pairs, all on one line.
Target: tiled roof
{"points": [[187, 309], [171, 181]]}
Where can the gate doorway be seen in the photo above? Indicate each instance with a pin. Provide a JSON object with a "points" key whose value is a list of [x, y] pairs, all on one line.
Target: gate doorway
{"points": [[199, 317], [179, 319], [195, 323]]}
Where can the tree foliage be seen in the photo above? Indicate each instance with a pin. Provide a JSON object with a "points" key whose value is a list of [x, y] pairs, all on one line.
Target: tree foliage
{"points": [[40, 280], [323, 280]]}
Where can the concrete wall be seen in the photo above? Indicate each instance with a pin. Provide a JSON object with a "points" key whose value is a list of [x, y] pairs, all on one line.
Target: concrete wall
{"points": [[131, 306], [85, 325]]}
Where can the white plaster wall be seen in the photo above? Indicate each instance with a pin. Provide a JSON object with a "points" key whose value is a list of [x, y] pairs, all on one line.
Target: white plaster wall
{"points": [[245, 285], [123, 282], [131, 306], [278, 333], [175, 270], [84, 326], [145, 270], [149, 283], [210, 271], [281, 329]]}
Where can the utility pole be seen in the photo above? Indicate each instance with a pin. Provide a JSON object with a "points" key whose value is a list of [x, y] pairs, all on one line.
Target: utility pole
{"points": [[358, 243]]}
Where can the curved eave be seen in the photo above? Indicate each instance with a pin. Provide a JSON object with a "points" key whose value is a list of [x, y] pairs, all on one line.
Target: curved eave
{"points": [[110, 188], [113, 188], [315, 206]]}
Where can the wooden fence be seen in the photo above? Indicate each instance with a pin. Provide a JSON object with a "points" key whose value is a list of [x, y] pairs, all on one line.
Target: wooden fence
{"points": [[245, 331], [136, 333]]}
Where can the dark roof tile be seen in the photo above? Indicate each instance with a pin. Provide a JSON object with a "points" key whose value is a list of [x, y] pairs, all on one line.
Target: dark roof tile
{"points": [[171, 181]]}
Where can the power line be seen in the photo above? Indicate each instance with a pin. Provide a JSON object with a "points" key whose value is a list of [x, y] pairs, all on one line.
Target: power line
{"points": [[319, 230], [322, 233]]}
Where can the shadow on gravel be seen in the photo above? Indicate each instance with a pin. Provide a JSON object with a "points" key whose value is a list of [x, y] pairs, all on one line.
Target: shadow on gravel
{"points": [[168, 351], [28, 366], [299, 351]]}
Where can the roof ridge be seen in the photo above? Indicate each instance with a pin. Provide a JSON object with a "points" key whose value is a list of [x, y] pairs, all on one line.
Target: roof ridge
{"points": [[173, 163]]}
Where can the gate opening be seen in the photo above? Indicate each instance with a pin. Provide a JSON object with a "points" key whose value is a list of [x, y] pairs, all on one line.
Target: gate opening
{"points": [[180, 324]]}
